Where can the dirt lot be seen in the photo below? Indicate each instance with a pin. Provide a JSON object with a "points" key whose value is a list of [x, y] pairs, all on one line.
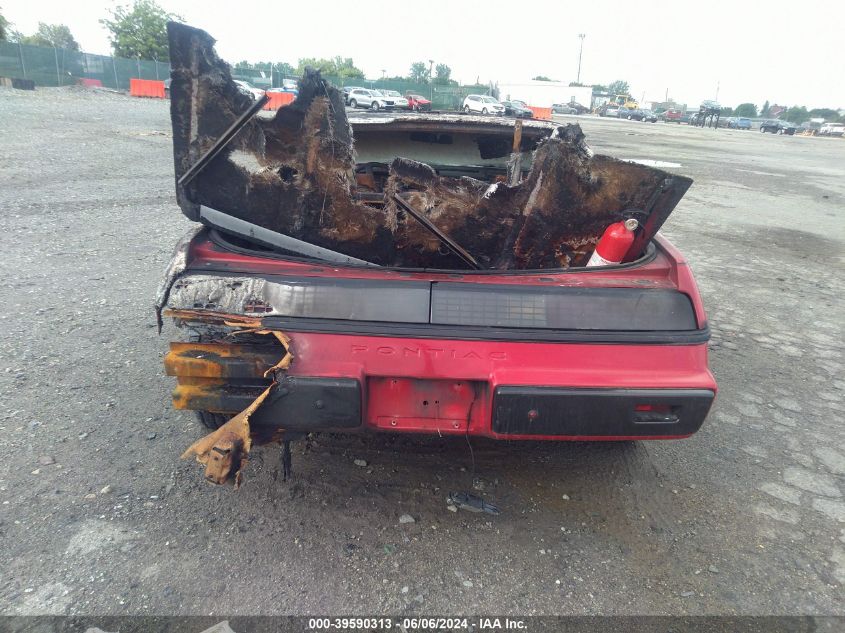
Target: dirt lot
{"points": [[98, 514]]}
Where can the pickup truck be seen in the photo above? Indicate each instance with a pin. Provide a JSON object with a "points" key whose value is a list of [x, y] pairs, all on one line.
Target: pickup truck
{"points": [[432, 281]]}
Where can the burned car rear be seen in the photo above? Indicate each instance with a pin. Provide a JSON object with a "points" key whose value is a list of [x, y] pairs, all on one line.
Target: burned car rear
{"points": [[418, 273]]}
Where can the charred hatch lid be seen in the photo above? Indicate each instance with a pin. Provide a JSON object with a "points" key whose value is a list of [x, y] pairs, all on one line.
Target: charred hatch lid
{"points": [[294, 173]]}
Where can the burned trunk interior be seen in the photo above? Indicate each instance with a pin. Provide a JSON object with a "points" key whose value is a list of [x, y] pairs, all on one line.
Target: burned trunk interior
{"points": [[512, 196]]}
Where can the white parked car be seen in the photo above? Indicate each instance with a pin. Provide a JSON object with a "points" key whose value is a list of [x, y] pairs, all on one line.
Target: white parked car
{"points": [[398, 100], [832, 129], [483, 104], [364, 98], [249, 90]]}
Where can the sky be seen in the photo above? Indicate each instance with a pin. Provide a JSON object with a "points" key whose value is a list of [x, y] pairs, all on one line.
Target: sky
{"points": [[688, 50]]}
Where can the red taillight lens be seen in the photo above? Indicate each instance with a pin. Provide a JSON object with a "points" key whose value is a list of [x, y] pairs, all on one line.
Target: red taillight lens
{"points": [[654, 408], [656, 414]]}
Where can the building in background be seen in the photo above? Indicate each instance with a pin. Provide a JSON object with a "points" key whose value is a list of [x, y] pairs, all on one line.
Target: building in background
{"points": [[543, 94]]}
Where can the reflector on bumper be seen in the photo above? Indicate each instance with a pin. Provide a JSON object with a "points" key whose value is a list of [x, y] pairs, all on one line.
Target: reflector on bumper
{"points": [[553, 411]]}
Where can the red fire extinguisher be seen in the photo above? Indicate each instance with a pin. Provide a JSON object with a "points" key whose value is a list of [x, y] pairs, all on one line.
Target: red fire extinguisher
{"points": [[615, 242]]}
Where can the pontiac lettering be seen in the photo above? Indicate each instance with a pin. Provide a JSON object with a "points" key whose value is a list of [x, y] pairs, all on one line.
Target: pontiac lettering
{"points": [[407, 351]]}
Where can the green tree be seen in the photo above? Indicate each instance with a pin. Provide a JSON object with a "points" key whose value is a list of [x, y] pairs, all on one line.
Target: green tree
{"points": [[338, 66], [285, 69], [827, 114], [325, 66], [282, 68], [764, 111], [796, 114], [53, 35], [4, 27], [619, 87], [746, 110], [346, 68], [726, 111], [442, 74], [140, 30], [419, 73], [540, 78]]}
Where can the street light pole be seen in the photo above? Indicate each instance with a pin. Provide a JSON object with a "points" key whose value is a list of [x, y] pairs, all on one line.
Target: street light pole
{"points": [[580, 52], [430, 83]]}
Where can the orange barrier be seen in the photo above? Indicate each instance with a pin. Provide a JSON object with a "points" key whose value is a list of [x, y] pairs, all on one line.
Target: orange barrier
{"points": [[279, 100], [541, 113], [89, 83], [146, 88]]}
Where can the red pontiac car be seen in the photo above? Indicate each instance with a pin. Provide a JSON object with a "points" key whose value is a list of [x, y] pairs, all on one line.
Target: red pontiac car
{"points": [[433, 281]]}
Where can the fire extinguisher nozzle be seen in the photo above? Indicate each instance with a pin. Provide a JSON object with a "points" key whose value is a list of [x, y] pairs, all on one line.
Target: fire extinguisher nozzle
{"points": [[631, 224]]}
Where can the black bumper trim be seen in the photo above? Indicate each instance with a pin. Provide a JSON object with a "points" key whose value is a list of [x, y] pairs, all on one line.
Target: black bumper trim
{"points": [[304, 403], [487, 333], [555, 411]]}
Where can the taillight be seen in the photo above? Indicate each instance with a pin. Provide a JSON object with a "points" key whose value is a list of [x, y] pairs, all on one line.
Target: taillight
{"points": [[656, 413]]}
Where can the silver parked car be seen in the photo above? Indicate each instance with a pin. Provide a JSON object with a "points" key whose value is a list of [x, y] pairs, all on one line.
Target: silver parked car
{"points": [[373, 99]]}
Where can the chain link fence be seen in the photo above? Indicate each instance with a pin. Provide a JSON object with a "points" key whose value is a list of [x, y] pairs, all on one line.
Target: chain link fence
{"points": [[63, 67], [442, 97]]}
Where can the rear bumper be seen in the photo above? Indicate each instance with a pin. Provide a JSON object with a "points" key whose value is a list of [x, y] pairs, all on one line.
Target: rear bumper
{"points": [[503, 390], [518, 412]]}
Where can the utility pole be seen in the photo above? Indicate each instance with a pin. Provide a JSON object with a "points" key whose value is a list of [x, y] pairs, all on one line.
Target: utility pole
{"points": [[23, 65], [430, 82], [580, 52], [717, 93], [58, 76]]}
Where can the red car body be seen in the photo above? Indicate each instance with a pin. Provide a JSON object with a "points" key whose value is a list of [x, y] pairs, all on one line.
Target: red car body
{"points": [[672, 116], [418, 102], [477, 378], [416, 273]]}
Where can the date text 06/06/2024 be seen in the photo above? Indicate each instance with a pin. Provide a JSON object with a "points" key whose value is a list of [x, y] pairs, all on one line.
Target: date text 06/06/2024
{"points": [[425, 623]]}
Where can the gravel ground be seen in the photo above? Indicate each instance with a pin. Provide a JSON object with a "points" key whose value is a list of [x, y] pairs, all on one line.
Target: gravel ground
{"points": [[99, 516]]}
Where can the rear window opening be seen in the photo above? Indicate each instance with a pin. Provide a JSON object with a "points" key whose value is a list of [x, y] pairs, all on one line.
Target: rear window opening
{"points": [[238, 244]]}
